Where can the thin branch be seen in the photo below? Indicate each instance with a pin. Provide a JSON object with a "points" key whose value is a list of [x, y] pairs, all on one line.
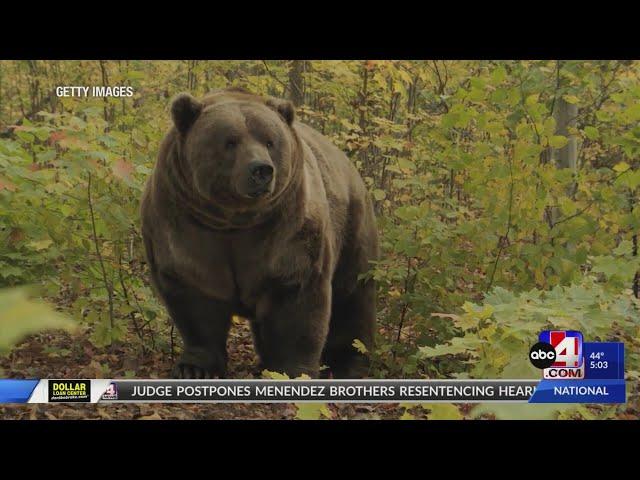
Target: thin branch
{"points": [[503, 239], [126, 297], [589, 205], [527, 115], [272, 75], [107, 284], [577, 214], [555, 93]]}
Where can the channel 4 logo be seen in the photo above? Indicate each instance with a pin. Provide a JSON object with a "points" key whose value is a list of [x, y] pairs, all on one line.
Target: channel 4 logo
{"points": [[111, 393], [559, 353]]}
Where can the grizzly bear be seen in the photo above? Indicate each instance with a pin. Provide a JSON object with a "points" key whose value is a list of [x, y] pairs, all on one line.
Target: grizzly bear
{"points": [[250, 212]]}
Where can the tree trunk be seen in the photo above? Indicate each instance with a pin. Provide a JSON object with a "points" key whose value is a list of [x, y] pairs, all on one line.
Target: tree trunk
{"points": [[565, 115], [295, 89]]}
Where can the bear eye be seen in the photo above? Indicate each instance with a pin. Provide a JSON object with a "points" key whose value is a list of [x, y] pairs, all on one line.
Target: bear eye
{"points": [[269, 144], [231, 143]]}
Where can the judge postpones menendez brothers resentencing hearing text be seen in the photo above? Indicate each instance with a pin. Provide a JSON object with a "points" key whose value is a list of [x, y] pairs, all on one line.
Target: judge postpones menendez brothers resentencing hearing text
{"points": [[321, 391]]}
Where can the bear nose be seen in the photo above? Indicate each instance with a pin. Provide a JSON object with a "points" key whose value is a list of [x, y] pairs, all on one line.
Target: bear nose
{"points": [[261, 172]]}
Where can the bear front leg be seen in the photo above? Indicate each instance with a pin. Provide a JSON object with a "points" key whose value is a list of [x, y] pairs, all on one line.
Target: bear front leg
{"points": [[203, 324], [352, 317], [294, 329]]}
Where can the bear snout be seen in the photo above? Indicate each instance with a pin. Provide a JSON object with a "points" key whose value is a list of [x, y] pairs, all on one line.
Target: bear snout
{"points": [[259, 177]]}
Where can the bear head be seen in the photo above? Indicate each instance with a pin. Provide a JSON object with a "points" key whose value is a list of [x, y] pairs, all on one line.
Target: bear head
{"points": [[239, 148]]}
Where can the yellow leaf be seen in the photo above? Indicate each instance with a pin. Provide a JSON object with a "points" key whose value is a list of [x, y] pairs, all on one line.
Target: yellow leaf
{"points": [[558, 141], [274, 375], [442, 411], [572, 99], [153, 416], [312, 411], [21, 316], [621, 167], [41, 244], [532, 99], [486, 312], [358, 345]]}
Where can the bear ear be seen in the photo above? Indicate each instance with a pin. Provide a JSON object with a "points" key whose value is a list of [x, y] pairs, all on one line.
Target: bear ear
{"points": [[185, 110], [284, 108]]}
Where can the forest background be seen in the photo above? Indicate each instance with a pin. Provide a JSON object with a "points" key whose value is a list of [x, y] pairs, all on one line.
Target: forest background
{"points": [[506, 194]]}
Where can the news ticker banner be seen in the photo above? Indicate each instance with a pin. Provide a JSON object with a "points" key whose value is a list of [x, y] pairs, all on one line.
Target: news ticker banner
{"points": [[573, 371], [295, 391]]}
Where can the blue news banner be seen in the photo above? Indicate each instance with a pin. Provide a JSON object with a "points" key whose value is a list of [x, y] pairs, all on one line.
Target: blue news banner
{"points": [[603, 380]]}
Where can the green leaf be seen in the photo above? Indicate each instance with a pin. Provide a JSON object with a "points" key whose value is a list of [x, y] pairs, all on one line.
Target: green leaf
{"points": [[612, 266], [406, 164], [482, 313], [631, 180], [458, 345], [634, 112], [499, 74], [591, 133], [7, 271], [625, 248], [21, 316], [379, 194], [558, 141], [520, 366], [549, 126]]}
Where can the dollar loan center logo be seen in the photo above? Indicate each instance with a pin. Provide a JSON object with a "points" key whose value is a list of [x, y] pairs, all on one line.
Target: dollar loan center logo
{"points": [[558, 354]]}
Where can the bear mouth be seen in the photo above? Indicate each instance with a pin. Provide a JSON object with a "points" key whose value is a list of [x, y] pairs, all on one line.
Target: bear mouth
{"points": [[260, 192]]}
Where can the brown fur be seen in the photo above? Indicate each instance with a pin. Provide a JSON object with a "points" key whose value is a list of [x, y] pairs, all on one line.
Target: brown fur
{"points": [[287, 260]]}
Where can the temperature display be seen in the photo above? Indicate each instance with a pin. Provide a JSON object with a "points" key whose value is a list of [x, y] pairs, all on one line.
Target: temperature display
{"points": [[604, 360]]}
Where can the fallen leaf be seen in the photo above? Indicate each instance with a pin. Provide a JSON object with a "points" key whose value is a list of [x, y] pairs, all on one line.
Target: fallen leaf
{"points": [[153, 416], [33, 415]]}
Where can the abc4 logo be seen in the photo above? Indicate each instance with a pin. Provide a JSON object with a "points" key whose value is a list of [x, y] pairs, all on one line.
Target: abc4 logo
{"points": [[559, 354]]}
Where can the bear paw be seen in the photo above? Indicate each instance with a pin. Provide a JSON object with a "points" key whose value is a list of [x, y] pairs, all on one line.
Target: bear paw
{"points": [[196, 363], [353, 368]]}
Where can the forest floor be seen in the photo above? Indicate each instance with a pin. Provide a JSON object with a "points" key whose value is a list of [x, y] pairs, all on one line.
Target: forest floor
{"points": [[61, 355]]}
